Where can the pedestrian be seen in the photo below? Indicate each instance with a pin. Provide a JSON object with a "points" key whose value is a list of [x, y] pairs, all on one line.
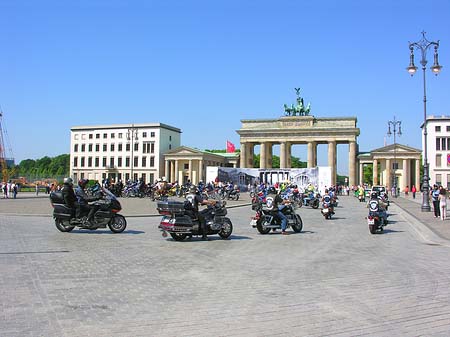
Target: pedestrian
{"points": [[443, 202], [5, 191], [37, 189], [406, 190], [413, 191], [14, 189], [435, 198]]}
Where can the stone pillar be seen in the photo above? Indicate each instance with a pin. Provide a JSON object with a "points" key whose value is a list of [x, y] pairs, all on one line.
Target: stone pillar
{"points": [[314, 152], [263, 156], [243, 159], [269, 155], [406, 180], [200, 171], [332, 160], [166, 170], [172, 171], [310, 155], [388, 183], [190, 172], [352, 163], [375, 172], [417, 182], [361, 175], [288, 155], [177, 175], [283, 155]]}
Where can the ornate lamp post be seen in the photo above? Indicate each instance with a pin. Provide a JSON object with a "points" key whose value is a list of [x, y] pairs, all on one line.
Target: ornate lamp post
{"points": [[396, 130], [132, 136], [423, 46]]}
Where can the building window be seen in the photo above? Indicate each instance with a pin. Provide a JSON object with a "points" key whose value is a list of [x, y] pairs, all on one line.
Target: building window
{"points": [[111, 162], [186, 166], [75, 136], [143, 177], [113, 135], [144, 161], [119, 147], [104, 162], [144, 134], [438, 143], [105, 135], [97, 161], [127, 162], [105, 147], [97, 147], [135, 161], [437, 128], [152, 178], [119, 162], [438, 160], [83, 147], [170, 146], [82, 162], [91, 136], [152, 134], [444, 141], [170, 138], [97, 136], [90, 147], [75, 148], [112, 147], [83, 136], [136, 146], [127, 147], [438, 179], [448, 182], [89, 161], [119, 135], [75, 161], [152, 161], [148, 147]]}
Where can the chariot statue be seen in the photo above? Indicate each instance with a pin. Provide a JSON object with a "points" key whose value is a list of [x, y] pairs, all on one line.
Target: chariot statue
{"points": [[299, 109]]}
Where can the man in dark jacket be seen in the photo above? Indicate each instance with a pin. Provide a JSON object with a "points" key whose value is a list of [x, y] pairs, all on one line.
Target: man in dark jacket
{"points": [[68, 193], [83, 202]]}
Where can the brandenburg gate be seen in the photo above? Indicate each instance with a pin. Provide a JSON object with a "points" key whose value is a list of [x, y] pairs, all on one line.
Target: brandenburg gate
{"points": [[304, 129]]}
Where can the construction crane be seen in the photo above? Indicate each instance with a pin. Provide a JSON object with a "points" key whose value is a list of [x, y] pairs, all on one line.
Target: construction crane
{"points": [[6, 172]]}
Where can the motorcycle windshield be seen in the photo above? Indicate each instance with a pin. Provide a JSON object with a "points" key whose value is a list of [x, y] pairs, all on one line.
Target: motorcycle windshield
{"points": [[108, 193]]}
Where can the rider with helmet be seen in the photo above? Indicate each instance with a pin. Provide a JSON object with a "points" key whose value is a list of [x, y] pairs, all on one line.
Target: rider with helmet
{"points": [[83, 201], [381, 205], [195, 199], [68, 194]]}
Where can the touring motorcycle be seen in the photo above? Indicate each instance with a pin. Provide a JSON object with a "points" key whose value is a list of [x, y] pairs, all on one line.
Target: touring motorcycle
{"points": [[266, 218], [377, 217], [180, 225], [106, 214]]}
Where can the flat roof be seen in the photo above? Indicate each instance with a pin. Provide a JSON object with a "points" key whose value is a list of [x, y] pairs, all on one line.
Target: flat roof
{"points": [[125, 126]]}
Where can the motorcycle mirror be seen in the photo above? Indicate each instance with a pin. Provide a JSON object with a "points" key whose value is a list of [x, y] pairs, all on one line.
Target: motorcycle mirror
{"points": [[224, 202]]}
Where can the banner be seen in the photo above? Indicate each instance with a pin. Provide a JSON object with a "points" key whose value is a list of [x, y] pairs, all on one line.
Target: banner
{"points": [[230, 147]]}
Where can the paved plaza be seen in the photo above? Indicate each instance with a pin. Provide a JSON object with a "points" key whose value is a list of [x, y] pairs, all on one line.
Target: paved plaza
{"points": [[333, 279]]}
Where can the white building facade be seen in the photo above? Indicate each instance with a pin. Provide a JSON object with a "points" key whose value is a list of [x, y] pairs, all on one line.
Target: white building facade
{"points": [[438, 149], [121, 151]]}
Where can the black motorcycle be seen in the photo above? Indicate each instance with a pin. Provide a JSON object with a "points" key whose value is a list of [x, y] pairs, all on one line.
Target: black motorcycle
{"points": [[312, 200], [234, 194], [180, 225], [377, 217], [266, 218], [106, 215]]}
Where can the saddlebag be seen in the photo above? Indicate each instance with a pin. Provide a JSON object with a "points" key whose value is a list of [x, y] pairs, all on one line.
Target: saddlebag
{"points": [[170, 207], [62, 211], [56, 197]]}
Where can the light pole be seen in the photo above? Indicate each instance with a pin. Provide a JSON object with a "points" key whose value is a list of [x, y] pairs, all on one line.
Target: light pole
{"points": [[132, 135], [423, 46], [396, 129]]}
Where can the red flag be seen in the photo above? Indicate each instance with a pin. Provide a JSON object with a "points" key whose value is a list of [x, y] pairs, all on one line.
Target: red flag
{"points": [[230, 147]]}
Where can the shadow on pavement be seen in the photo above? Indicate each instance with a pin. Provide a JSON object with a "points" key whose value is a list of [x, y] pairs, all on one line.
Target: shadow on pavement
{"points": [[106, 231]]}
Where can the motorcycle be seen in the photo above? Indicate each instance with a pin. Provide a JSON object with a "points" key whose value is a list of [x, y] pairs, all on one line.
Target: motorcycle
{"points": [[377, 217], [180, 225], [234, 194], [106, 214], [327, 207], [311, 200], [266, 218]]}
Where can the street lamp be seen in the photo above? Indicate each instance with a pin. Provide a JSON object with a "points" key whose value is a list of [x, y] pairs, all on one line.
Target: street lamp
{"points": [[396, 129], [132, 135], [423, 46]]}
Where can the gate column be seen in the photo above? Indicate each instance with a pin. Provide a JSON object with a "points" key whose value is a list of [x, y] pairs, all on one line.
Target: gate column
{"points": [[352, 164], [332, 160]]}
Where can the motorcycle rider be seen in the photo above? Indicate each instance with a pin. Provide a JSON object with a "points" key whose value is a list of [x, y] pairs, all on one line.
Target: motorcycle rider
{"points": [[68, 194], [195, 199], [328, 199], [381, 204], [83, 201], [278, 203]]}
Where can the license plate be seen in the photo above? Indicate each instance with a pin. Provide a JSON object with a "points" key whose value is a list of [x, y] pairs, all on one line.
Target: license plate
{"points": [[325, 210], [370, 221], [253, 222]]}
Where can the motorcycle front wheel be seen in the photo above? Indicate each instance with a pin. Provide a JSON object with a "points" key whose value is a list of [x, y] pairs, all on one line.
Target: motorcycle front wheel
{"points": [[62, 227], [298, 226], [315, 204], [227, 229], [178, 236], [117, 224]]}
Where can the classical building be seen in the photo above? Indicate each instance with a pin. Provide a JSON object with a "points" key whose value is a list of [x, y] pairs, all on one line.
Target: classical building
{"points": [[122, 151], [185, 163], [395, 161], [289, 130], [438, 149]]}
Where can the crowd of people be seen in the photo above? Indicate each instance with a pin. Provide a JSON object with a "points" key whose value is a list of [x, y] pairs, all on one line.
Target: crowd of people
{"points": [[9, 189]]}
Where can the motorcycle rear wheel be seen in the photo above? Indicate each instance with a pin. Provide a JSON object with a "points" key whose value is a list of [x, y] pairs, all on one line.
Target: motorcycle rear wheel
{"points": [[178, 236], [117, 224], [62, 227], [261, 228], [315, 204], [227, 229], [297, 228], [372, 229]]}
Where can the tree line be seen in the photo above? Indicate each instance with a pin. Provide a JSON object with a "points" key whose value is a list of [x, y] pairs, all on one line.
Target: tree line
{"points": [[45, 167]]}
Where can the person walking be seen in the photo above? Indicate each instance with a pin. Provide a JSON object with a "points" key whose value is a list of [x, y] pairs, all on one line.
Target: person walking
{"points": [[443, 202], [413, 191], [435, 198], [37, 189]]}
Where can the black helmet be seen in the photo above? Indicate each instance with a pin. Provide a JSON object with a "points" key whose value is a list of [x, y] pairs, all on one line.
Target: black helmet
{"points": [[374, 195], [68, 181], [83, 182]]}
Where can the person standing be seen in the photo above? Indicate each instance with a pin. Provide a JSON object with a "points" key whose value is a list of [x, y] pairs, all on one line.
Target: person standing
{"points": [[37, 189], [443, 202], [413, 191], [5, 191], [435, 198]]}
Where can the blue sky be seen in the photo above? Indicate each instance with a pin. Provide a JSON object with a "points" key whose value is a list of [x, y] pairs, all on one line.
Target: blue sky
{"points": [[203, 66]]}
